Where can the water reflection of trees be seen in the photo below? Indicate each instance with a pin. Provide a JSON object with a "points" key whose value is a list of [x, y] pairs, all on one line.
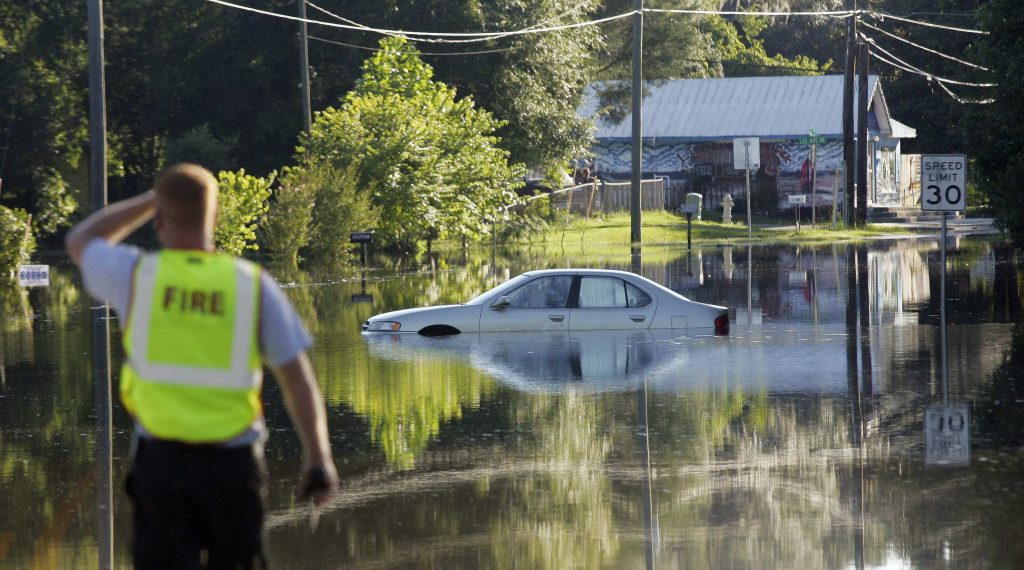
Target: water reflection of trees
{"points": [[46, 427], [453, 468]]}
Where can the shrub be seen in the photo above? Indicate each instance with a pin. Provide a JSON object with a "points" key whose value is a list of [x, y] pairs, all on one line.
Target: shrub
{"points": [[243, 201], [16, 241], [287, 227]]}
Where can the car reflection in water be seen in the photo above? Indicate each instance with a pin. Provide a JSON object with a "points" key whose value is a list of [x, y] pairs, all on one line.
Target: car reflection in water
{"points": [[777, 359], [560, 300]]}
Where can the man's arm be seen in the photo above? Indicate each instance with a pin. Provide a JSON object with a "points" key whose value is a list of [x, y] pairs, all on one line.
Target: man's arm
{"points": [[306, 408], [113, 223]]}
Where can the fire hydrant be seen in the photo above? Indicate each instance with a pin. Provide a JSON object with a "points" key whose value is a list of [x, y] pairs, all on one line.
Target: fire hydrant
{"points": [[727, 209]]}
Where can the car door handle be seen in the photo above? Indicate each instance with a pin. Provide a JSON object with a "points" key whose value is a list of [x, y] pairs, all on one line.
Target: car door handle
{"points": [[557, 318], [638, 318]]}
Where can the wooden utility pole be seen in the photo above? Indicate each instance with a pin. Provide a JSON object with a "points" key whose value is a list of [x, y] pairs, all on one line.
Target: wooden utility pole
{"points": [[100, 315], [862, 134], [851, 57], [307, 112], [97, 110], [637, 115]]}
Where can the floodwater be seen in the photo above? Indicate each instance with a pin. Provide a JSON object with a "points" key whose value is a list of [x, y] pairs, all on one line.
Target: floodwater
{"points": [[850, 420]]}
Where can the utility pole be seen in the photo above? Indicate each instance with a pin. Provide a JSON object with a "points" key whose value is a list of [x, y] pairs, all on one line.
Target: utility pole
{"points": [[638, 96], [862, 134], [100, 315], [97, 110], [307, 112], [851, 57]]}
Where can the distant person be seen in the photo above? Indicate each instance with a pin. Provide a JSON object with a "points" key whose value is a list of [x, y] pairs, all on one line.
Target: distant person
{"points": [[197, 327]]}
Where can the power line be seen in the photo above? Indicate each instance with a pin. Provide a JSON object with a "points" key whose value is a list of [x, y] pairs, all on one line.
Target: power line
{"points": [[333, 15], [834, 13], [938, 53], [434, 37], [513, 48], [948, 91], [872, 42], [368, 48], [445, 37], [872, 47], [881, 16]]}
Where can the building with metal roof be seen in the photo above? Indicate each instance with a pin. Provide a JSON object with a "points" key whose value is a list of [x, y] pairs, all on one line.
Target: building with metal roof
{"points": [[689, 124]]}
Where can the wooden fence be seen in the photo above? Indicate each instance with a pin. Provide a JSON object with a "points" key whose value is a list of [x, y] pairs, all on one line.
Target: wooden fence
{"points": [[608, 197]]}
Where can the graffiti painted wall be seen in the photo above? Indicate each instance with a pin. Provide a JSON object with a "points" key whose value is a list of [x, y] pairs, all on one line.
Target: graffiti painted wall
{"points": [[707, 168]]}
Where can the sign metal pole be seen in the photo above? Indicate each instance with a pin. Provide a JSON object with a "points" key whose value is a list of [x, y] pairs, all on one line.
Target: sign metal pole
{"points": [[942, 315], [746, 162]]}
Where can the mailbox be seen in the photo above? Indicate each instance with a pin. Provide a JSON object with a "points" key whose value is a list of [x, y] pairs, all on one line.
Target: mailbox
{"points": [[694, 205], [361, 237]]}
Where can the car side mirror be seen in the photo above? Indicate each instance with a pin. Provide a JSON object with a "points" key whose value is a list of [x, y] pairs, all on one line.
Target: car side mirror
{"points": [[501, 303]]}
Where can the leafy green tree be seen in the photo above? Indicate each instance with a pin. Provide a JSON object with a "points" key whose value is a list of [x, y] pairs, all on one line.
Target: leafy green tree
{"points": [[42, 107], [533, 83], [243, 202], [678, 46], [53, 202], [995, 138], [201, 146], [177, 69], [16, 241], [738, 50], [290, 216], [342, 207], [822, 38], [429, 160], [919, 101]]}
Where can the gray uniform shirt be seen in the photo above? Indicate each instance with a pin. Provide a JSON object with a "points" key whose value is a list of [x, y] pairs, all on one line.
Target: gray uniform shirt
{"points": [[107, 273]]}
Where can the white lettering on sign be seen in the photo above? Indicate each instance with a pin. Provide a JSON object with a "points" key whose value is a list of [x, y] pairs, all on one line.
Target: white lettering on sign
{"points": [[34, 275], [944, 183]]}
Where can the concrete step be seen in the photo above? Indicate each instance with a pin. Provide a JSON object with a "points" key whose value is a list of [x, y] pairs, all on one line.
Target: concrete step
{"points": [[902, 215]]}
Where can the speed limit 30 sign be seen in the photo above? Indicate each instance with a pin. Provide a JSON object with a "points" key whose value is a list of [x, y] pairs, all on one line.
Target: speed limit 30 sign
{"points": [[944, 182]]}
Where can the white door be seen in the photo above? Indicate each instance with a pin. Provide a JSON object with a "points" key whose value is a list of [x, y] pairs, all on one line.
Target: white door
{"points": [[537, 305], [610, 303]]}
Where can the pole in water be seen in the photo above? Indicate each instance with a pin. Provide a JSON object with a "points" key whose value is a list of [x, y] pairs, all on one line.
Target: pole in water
{"points": [[689, 219], [942, 313]]}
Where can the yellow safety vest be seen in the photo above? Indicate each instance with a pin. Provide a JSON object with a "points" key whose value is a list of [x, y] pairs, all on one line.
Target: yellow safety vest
{"points": [[192, 368]]}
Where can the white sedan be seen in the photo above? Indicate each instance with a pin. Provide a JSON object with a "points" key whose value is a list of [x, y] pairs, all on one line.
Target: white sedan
{"points": [[560, 300]]}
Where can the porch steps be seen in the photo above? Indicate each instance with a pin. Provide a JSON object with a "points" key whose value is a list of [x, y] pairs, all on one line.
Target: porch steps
{"points": [[901, 215]]}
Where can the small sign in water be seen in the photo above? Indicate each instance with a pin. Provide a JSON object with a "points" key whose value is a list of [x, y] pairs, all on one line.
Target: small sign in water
{"points": [[34, 275], [947, 435]]}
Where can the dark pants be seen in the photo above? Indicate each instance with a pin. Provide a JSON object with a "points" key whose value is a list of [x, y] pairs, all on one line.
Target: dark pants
{"points": [[197, 506]]}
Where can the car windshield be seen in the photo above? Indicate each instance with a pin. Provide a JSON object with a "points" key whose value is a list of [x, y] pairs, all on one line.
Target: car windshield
{"points": [[543, 292], [508, 285]]}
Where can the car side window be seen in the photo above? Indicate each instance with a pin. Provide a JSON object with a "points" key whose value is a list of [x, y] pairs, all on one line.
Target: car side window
{"points": [[546, 292], [602, 292], [636, 297]]}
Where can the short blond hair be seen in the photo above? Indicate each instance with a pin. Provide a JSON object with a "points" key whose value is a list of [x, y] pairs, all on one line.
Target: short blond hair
{"points": [[186, 194]]}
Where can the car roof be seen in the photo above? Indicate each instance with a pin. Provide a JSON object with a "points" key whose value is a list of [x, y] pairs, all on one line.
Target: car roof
{"points": [[577, 271]]}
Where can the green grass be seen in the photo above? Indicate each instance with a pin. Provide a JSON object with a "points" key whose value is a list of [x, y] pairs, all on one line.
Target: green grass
{"points": [[664, 228]]}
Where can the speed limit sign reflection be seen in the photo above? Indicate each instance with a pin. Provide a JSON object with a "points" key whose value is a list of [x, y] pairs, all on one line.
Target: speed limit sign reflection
{"points": [[944, 182]]}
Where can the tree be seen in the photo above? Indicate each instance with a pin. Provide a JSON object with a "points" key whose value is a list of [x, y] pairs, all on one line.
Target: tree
{"points": [[16, 242], [243, 202], [42, 108], [920, 101], [287, 228], [342, 207], [996, 140], [738, 51], [677, 46], [428, 159], [534, 83]]}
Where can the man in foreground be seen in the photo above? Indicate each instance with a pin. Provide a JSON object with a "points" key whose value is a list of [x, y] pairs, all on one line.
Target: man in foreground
{"points": [[197, 327]]}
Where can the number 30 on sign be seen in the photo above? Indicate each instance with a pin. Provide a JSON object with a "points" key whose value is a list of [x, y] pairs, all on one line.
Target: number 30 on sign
{"points": [[944, 182]]}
